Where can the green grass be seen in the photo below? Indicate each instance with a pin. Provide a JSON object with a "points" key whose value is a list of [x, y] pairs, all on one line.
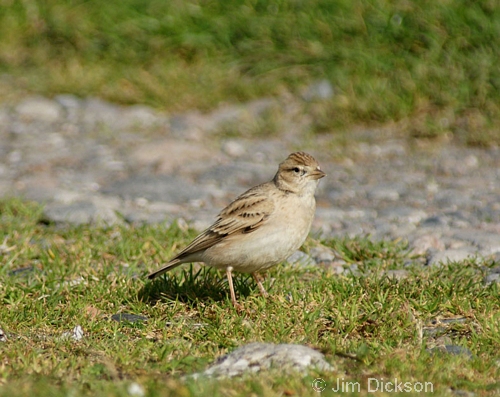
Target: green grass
{"points": [[431, 66], [368, 325]]}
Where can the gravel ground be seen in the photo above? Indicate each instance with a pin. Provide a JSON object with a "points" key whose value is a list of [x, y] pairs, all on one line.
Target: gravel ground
{"points": [[88, 160], [92, 162]]}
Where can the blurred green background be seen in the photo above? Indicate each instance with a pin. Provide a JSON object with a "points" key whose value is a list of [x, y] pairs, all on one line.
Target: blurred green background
{"points": [[431, 66]]}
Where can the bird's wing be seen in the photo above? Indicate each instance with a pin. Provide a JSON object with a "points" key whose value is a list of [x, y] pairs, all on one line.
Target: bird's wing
{"points": [[244, 215]]}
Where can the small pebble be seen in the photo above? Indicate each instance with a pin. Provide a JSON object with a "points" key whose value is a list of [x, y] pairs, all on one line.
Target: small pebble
{"points": [[134, 389], [453, 350], [300, 259], [76, 334], [3, 336], [127, 317]]}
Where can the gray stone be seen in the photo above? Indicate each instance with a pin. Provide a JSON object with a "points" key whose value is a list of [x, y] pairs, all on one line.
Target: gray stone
{"points": [[403, 214], [187, 126], [319, 90], [77, 213], [100, 114], [492, 278], [434, 221], [453, 350], [39, 109], [80, 212], [330, 215], [228, 115], [68, 101], [451, 200], [487, 214], [72, 107], [451, 255], [236, 117], [128, 318], [237, 174], [3, 336], [322, 254], [383, 229], [384, 149], [22, 270], [337, 195], [167, 156], [353, 270], [300, 259], [383, 193], [488, 243], [202, 221], [258, 107], [165, 188], [399, 274], [140, 116], [145, 217], [403, 230], [462, 393], [456, 320], [493, 275], [5, 120], [434, 332], [256, 357], [426, 243], [233, 148]]}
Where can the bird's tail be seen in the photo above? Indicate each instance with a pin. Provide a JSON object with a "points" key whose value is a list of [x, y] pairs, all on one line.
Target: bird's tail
{"points": [[169, 266]]}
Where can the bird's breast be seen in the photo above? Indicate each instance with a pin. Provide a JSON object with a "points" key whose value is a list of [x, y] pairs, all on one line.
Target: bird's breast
{"points": [[273, 242]]}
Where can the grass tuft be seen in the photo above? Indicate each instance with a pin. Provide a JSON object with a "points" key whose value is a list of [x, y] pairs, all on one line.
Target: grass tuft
{"points": [[431, 66], [368, 324]]}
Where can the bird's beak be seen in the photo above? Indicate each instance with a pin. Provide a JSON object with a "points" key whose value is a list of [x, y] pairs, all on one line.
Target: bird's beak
{"points": [[317, 174]]}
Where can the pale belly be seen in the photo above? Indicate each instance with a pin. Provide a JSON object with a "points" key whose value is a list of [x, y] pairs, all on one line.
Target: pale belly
{"points": [[258, 250]]}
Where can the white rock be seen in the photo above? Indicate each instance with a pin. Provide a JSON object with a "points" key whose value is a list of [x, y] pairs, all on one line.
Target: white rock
{"points": [[255, 357], [233, 148], [3, 337], [76, 334], [136, 390], [451, 255], [141, 116], [39, 109]]}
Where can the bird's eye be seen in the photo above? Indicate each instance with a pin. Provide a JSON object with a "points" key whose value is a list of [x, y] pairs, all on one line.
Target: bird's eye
{"points": [[296, 170]]}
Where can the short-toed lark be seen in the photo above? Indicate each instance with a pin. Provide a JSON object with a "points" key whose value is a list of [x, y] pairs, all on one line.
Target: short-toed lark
{"points": [[262, 227]]}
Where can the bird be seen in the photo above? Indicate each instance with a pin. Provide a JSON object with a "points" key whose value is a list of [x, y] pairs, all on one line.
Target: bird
{"points": [[260, 228]]}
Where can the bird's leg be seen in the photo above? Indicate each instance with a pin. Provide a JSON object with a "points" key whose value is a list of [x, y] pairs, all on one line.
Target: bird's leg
{"points": [[229, 275], [262, 290]]}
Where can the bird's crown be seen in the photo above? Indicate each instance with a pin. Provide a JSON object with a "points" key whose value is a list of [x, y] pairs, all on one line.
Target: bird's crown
{"points": [[300, 158]]}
